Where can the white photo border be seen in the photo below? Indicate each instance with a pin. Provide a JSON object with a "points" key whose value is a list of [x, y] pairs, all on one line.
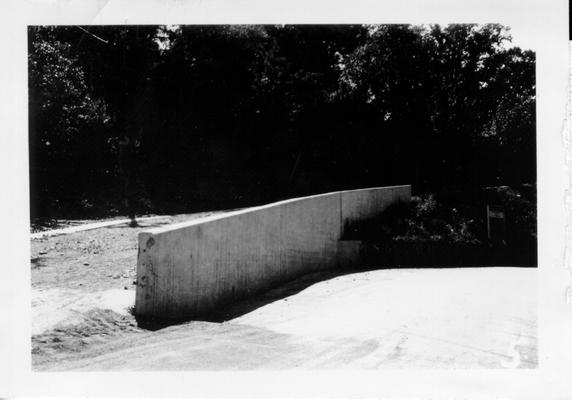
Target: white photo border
{"points": [[544, 28]]}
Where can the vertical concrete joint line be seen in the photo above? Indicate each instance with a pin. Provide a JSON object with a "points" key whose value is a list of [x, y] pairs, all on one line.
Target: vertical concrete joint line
{"points": [[341, 219]]}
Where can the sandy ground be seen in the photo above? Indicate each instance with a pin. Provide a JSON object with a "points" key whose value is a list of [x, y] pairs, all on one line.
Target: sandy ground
{"points": [[72, 226], [408, 318], [83, 287], [83, 292]]}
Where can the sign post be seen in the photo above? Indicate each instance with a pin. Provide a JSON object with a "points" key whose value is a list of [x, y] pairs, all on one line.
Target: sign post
{"points": [[495, 223]]}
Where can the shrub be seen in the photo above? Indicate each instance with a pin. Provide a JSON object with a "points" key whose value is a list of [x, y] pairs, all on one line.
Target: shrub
{"points": [[430, 220], [452, 218]]}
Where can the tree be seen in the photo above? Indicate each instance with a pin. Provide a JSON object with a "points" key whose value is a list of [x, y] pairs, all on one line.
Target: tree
{"points": [[511, 127], [434, 93], [180, 118], [113, 65], [65, 121]]}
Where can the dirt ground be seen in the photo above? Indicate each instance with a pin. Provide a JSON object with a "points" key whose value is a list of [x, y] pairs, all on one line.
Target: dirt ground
{"points": [[468, 318], [83, 293], [83, 286]]}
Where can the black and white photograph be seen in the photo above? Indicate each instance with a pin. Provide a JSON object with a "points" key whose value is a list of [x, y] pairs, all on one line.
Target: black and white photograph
{"points": [[370, 196], [282, 196]]}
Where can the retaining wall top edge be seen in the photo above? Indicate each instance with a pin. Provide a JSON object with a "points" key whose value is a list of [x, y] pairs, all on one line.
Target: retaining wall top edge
{"points": [[372, 188], [229, 214]]}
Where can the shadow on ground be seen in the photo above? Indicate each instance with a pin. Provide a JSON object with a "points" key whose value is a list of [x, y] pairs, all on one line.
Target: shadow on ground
{"points": [[241, 307], [244, 306]]}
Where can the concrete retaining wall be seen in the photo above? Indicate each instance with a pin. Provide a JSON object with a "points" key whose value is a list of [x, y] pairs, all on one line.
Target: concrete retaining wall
{"points": [[185, 270]]}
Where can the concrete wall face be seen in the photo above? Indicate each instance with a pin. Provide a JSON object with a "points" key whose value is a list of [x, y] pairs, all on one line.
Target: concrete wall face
{"points": [[188, 269], [360, 205]]}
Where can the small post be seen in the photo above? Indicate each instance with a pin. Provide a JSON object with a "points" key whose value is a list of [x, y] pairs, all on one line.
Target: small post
{"points": [[488, 223]]}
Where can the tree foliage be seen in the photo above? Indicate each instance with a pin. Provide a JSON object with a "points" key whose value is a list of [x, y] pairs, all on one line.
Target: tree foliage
{"points": [[65, 123], [223, 116]]}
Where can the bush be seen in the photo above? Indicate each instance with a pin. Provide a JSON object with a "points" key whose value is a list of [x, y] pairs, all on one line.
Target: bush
{"points": [[455, 218], [430, 220]]}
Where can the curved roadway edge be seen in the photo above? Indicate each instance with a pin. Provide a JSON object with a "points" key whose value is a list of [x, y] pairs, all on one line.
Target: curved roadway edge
{"points": [[403, 318]]}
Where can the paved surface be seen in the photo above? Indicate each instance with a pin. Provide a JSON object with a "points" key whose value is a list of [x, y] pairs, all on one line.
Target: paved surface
{"points": [[408, 318]]}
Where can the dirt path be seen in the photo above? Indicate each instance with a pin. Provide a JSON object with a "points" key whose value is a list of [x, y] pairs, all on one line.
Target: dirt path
{"points": [[72, 226]]}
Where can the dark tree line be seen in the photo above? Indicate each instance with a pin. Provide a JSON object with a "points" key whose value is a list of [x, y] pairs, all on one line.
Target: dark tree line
{"points": [[182, 118]]}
